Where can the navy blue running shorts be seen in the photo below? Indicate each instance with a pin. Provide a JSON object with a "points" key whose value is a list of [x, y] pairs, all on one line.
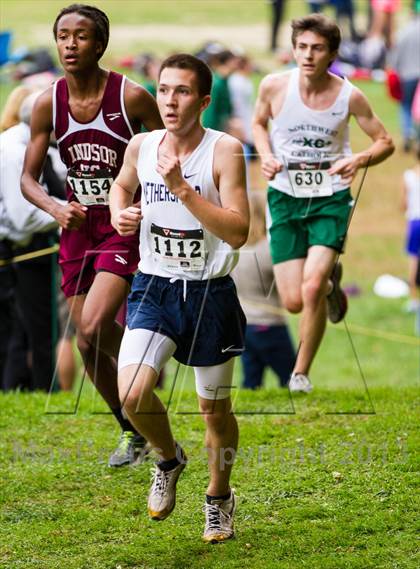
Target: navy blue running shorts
{"points": [[203, 318]]}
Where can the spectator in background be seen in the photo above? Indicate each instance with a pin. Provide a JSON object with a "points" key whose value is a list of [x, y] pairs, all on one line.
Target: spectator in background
{"points": [[148, 66], [9, 117], [6, 292], [241, 89], [316, 6], [383, 20], [380, 38], [268, 343], [24, 229], [219, 112], [277, 10], [411, 206], [415, 114], [344, 10], [406, 62], [10, 114]]}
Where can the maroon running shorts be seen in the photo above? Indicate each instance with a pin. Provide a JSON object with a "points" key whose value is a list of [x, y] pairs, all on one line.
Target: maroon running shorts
{"points": [[92, 248]]}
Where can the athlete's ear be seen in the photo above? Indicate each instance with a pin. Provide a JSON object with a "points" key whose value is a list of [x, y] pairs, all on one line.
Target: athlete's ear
{"points": [[99, 49], [205, 102], [333, 56]]}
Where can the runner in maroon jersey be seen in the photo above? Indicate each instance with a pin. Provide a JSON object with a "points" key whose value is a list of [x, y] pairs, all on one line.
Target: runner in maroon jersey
{"points": [[94, 113]]}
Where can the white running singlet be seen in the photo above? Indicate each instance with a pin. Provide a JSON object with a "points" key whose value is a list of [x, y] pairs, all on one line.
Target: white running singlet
{"points": [[412, 184], [173, 243], [307, 142]]}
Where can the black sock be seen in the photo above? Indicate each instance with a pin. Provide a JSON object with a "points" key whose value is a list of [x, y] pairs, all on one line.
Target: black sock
{"points": [[167, 465], [124, 423], [180, 457], [211, 499]]}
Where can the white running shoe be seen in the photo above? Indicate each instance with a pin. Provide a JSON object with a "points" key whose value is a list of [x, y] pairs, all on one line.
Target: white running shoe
{"points": [[219, 519], [300, 382], [162, 496]]}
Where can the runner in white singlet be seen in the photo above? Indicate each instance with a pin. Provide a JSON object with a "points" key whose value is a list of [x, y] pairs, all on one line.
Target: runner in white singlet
{"points": [[308, 162], [194, 215]]}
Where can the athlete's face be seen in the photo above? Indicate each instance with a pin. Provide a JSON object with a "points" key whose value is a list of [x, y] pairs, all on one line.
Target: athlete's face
{"points": [[178, 99], [77, 45], [312, 54]]}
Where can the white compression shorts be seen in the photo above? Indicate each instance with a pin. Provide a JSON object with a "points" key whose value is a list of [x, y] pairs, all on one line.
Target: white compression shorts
{"points": [[140, 346]]}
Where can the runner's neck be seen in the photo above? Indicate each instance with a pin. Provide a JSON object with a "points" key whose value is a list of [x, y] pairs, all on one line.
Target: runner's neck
{"points": [[87, 84], [316, 92], [183, 145]]}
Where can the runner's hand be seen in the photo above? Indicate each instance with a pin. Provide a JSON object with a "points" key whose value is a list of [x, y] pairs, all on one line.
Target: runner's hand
{"points": [[127, 220], [169, 167], [270, 166], [71, 216], [347, 168]]}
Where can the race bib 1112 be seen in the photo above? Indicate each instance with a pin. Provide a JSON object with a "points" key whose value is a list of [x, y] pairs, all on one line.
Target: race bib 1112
{"points": [[178, 249]]}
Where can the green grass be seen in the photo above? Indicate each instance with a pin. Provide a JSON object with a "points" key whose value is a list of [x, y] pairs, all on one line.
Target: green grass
{"points": [[324, 481], [143, 12], [31, 22], [134, 15], [140, 12], [315, 490]]}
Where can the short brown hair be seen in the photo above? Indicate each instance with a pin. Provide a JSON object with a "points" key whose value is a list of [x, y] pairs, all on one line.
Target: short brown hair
{"points": [[187, 61], [319, 24]]}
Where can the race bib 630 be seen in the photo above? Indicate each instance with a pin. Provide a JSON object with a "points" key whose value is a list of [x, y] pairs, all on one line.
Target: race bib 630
{"points": [[310, 179]]}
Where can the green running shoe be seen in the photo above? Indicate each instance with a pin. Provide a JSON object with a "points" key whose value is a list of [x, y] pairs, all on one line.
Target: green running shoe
{"points": [[131, 450]]}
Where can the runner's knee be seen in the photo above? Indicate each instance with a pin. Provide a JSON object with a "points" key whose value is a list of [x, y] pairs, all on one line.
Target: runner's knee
{"points": [[312, 290], [215, 416], [216, 421], [93, 325], [136, 400], [131, 401], [83, 345], [292, 302], [136, 388]]}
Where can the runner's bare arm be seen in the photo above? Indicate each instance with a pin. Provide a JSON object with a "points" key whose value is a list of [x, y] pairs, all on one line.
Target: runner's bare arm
{"points": [[141, 108], [70, 216], [383, 145], [125, 217], [270, 166], [229, 222], [381, 148]]}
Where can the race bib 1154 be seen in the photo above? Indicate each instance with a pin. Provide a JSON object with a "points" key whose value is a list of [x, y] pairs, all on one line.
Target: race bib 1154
{"points": [[90, 188]]}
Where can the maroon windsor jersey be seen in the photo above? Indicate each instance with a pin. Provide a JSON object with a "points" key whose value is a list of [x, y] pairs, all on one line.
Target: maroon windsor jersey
{"points": [[93, 152]]}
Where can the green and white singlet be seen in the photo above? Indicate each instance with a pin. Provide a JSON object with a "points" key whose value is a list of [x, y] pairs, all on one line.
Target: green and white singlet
{"points": [[307, 142]]}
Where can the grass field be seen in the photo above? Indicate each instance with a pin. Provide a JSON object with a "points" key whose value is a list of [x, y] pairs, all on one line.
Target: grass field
{"points": [[327, 481], [315, 490]]}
